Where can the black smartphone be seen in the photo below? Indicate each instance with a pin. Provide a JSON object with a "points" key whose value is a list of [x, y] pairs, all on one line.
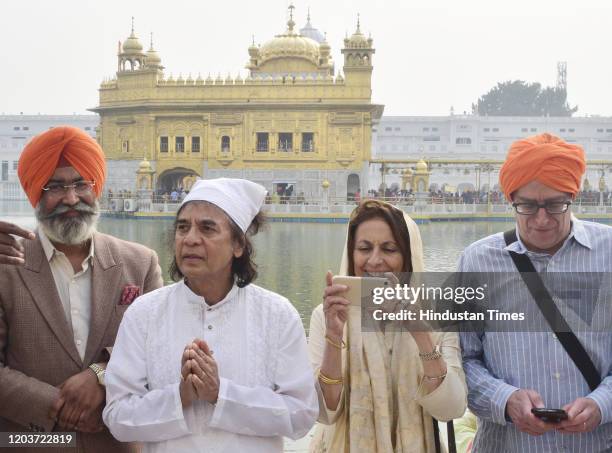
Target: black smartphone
{"points": [[549, 415]]}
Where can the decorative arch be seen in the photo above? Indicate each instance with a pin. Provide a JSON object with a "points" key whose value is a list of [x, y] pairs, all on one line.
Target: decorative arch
{"points": [[175, 179], [466, 187], [352, 186]]}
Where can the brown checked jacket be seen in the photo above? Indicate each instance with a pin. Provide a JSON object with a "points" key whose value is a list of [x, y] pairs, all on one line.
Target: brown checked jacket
{"points": [[37, 350]]}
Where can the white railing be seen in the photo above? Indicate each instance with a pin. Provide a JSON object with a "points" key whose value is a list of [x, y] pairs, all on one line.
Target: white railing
{"points": [[425, 205]]}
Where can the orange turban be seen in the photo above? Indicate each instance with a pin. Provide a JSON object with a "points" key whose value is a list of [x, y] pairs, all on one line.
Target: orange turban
{"points": [[41, 156], [544, 158]]}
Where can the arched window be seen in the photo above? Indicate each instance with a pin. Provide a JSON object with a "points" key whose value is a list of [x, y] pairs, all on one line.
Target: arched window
{"points": [[225, 144]]}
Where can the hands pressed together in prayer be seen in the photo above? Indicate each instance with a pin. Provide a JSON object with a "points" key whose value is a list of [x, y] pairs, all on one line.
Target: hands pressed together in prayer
{"points": [[80, 404], [583, 414], [199, 374]]}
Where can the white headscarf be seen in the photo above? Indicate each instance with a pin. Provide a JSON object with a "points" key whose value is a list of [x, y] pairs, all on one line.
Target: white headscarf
{"points": [[239, 198]]}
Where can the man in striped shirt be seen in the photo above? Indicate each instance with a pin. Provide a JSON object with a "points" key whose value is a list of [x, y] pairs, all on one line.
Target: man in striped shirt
{"points": [[509, 373]]}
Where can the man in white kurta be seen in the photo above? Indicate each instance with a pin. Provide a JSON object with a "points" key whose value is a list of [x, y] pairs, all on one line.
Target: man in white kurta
{"points": [[266, 386]]}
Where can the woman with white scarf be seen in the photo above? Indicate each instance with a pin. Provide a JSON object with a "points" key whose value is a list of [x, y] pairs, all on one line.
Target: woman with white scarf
{"points": [[378, 391]]}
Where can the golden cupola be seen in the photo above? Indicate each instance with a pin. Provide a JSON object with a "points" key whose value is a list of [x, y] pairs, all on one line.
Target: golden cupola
{"points": [[131, 56], [288, 54], [153, 60]]}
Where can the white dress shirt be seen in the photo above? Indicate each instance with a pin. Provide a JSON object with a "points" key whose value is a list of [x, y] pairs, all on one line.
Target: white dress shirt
{"points": [[74, 290], [267, 387]]}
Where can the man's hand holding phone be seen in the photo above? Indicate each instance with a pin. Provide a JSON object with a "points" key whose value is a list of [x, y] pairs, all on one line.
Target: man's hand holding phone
{"points": [[518, 408], [583, 416]]}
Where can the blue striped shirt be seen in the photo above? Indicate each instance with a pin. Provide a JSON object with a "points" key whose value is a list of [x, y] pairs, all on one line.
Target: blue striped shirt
{"points": [[498, 363]]}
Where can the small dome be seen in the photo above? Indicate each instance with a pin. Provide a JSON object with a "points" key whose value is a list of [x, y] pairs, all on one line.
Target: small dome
{"points": [[253, 49], [358, 40], [421, 165], [132, 45], [153, 58], [145, 165], [310, 32], [324, 45]]}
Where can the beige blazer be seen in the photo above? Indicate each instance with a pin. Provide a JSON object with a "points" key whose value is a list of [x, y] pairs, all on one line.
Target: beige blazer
{"points": [[37, 350]]}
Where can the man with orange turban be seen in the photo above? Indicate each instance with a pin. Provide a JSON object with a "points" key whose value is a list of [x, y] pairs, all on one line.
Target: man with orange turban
{"points": [[63, 292], [511, 373]]}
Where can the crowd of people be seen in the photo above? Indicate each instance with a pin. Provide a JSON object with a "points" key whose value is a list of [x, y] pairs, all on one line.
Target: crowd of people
{"points": [[91, 342]]}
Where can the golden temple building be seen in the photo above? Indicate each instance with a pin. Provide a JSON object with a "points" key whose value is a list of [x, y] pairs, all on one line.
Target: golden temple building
{"points": [[292, 123]]}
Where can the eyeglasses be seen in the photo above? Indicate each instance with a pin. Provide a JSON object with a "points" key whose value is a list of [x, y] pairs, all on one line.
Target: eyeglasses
{"points": [[551, 207], [80, 188]]}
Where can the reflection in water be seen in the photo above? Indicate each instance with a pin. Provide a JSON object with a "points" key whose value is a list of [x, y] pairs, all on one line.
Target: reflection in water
{"points": [[293, 257]]}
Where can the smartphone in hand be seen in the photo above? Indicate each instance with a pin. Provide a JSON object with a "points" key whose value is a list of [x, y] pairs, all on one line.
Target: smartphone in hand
{"points": [[549, 415], [360, 289]]}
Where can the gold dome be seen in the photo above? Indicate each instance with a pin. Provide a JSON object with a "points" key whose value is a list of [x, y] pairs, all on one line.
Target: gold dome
{"points": [[145, 165], [153, 58], [421, 165], [290, 44], [132, 45], [358, 40]]}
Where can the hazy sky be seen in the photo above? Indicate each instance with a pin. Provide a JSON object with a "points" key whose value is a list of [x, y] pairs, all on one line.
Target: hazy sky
{"points": [[429, 54]]}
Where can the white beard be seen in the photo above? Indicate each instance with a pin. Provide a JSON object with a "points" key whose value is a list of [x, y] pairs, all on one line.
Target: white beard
{"points": [[71, 230]]}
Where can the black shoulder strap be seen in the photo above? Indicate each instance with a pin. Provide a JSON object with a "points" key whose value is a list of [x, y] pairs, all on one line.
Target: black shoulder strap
{"points": [[551, 313], [450, 431]]}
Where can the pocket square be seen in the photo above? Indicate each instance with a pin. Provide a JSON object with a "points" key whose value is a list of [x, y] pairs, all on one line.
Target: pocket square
{"points": [[130, 292]]}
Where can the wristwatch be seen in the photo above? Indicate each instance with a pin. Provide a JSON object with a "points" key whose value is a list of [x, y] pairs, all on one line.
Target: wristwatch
{"points": [[433, 355], [99, 371]]}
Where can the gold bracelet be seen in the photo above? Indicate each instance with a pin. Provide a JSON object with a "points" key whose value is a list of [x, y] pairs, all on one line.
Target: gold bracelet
{"points": [[329, 381], [433, 355], [341, 345], [435, 378]]}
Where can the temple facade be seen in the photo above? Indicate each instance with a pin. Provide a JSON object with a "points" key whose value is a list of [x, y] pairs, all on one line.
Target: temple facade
{"points": [[294, 123]]}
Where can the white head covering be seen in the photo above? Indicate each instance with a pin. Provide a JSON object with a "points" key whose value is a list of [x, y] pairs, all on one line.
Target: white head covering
{"points": [[239, 198]]}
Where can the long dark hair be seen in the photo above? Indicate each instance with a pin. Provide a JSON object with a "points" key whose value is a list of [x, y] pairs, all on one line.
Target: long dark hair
{"points": [[374, 209], [244, 268]]}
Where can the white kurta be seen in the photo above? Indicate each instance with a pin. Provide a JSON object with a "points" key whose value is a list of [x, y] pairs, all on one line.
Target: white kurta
{"points": [[267, 387]]}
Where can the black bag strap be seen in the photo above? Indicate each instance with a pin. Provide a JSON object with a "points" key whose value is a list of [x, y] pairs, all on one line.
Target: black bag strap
{"points": [[551, 313], [450, 432], [436, 435]]}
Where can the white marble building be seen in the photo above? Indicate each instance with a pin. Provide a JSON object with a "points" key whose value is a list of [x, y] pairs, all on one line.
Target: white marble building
{"points": [[464, 151]]}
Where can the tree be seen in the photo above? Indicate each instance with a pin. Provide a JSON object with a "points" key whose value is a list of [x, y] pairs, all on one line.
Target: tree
{"points": [[518, 98]]}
